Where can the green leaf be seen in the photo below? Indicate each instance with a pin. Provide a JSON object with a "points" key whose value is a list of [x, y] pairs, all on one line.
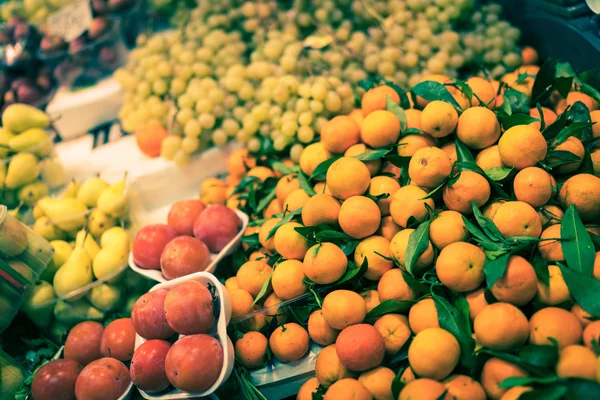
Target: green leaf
{"points": [[395, 109], [582, 389], [404, 102], [366, 84], [287, 218], [373, 154], [508, 121], [244, 183], [397, 384], [431, 91], [411, 131], [463, 154], [251, 240], [542, 119], [504, 109], [554, 392], [527, 381], [418, 241], [576, 243], [434, 191], [486, 224], [415, 284], [590, 91], [539, 355], [450, 319], [498, 173], [540, 266], [390, 307], [495, 269], [321, 170], [264, 202], [263, 288], [472, 166], [477, 233], [554, 128], [519, 102], [544, 82], [282, 168], [564, 78], [349, 247], [353, 272], [580, 114], [583, 288], [331, 236], [305, 185]]}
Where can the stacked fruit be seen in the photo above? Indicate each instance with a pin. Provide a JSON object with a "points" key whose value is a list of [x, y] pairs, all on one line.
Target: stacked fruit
{"points": [[199, 84], [28, 169], [465, 217]]}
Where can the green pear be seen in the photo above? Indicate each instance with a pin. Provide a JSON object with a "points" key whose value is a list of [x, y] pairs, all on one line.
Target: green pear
{"points": [[5, 136], [115, 237], [37, 212], [90, 190], [71, 313], [38, 305], [58, 332], [105, 297], [71, 190], [98, 223], [68, 214], [85, 240], [75, 273], [62, 251], [20, 117], [113, 200], [32, 192], [31, 6], [46, 229], [11, 380], [34, 140], [13, 235], [53, 173], [108, 261], [22, 169]]}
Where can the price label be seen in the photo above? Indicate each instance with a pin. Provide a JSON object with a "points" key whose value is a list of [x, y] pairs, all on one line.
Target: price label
{"points": [[71, 21]]}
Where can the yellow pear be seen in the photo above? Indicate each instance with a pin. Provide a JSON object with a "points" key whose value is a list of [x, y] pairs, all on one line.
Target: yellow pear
{"points": [[22, 169], [85, 240], [115, 237], [90, 190], [38, 304], [67, 213], [48, 230], [33, 192], [98, 223], [34, 140], [113, 200], [5, 136], [53, 173], [105, 297], [20, 117], [108, 261], [71, 190], [62, 252], [75, 273]]}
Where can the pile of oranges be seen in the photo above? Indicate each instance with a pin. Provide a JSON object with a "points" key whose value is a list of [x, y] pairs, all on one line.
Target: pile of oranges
{"points": [[452, 211]]}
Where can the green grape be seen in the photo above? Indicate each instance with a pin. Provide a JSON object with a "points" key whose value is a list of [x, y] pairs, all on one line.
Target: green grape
{"points": [[192, 128], [144, 89], [306, 134], [243, 135], [177, 87], [181, 158], [219, 137], [305, 118], [279, 143], [185, 101], [160, 87], [169, 147], [316, 106], [239, 113], [289, 128], [295, 152], [253, 145], [207, 121], [204, 106], [184, 115], [190, 144]]}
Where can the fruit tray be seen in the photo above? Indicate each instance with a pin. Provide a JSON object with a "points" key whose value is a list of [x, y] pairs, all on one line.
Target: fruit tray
{"points": [[218, 330], [11, 376]]}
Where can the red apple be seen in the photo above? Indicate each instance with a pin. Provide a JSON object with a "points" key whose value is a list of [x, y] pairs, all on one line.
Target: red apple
{"points": [[183, 214], [147, 368], [55, 380], [184, 255], [83, 342], [216, 226], [148, 316], [103, 379], [189, 308], [149, 244], [118, 339]]}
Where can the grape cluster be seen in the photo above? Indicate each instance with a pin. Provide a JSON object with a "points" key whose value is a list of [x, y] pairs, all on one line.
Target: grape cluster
{"points": [[260, 73]]}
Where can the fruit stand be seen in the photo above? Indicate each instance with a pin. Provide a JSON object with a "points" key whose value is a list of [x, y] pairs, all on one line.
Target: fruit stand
{"points": [[329, 199]]}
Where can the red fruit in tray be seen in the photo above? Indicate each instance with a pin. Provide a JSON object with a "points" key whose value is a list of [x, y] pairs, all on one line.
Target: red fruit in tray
{"points": [[183, 214], [194, 363], [56, 380], [118, 340], [216, 226], [77, 45], [147, 368], [189, 308], [108, 57], [184, 255], [103, 379], [148, 316], [51, 44], [83, 342], [149, 244], [98, 27]]}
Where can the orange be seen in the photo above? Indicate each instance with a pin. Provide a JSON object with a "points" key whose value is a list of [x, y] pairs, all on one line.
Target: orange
{"points": [[287, 280], [501, 327], [413, 118], [320, 209], [286, 185], [261, 173], [470, 186], [399, 246], [409, 144], [308, 388], [550, 215], [231, 283], [533, 186], [289, 342], [576, 361], [289, 243], [408, 202], [591, 333], [324, 263], [496, 370], [347, 177], [450, 149], [549, 117], [368, 249], [422, 389], [595, 116], [582, 190], [584, 317], [478, 127], [529, 55], [272, 209], [241, 303], [380, 128], [239, 162], [380, 185], [252, 275], [313, 155], [489, 158], [556, 292], [258, 255], [439, 119], [595, 157], [447, 228], [319, 331], [429, 167], [251, 350], [464, 387], [295, 200], [357, 115], [213, 191], [435, 362], [423, 315], [347, 389], [574, 97], [342, 308], [392, 286], [388, 228], [459, 266], [407, 376], [376, 99], [373, 166], [149, 138], [573, 146], [339, 133], [518, 285], [515, 392], [271, 305], [371, 298], [477, 302], [556, 323], [378, 382], [439, 78], [483, 90], [596, 271], [517, 218], [551, 250], [329, 368], [395, 331], [265, 230], [359, 217], [522, 146]]}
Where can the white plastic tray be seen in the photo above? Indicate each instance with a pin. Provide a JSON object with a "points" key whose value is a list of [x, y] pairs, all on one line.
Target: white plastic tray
{"points": [[218, 330]]}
